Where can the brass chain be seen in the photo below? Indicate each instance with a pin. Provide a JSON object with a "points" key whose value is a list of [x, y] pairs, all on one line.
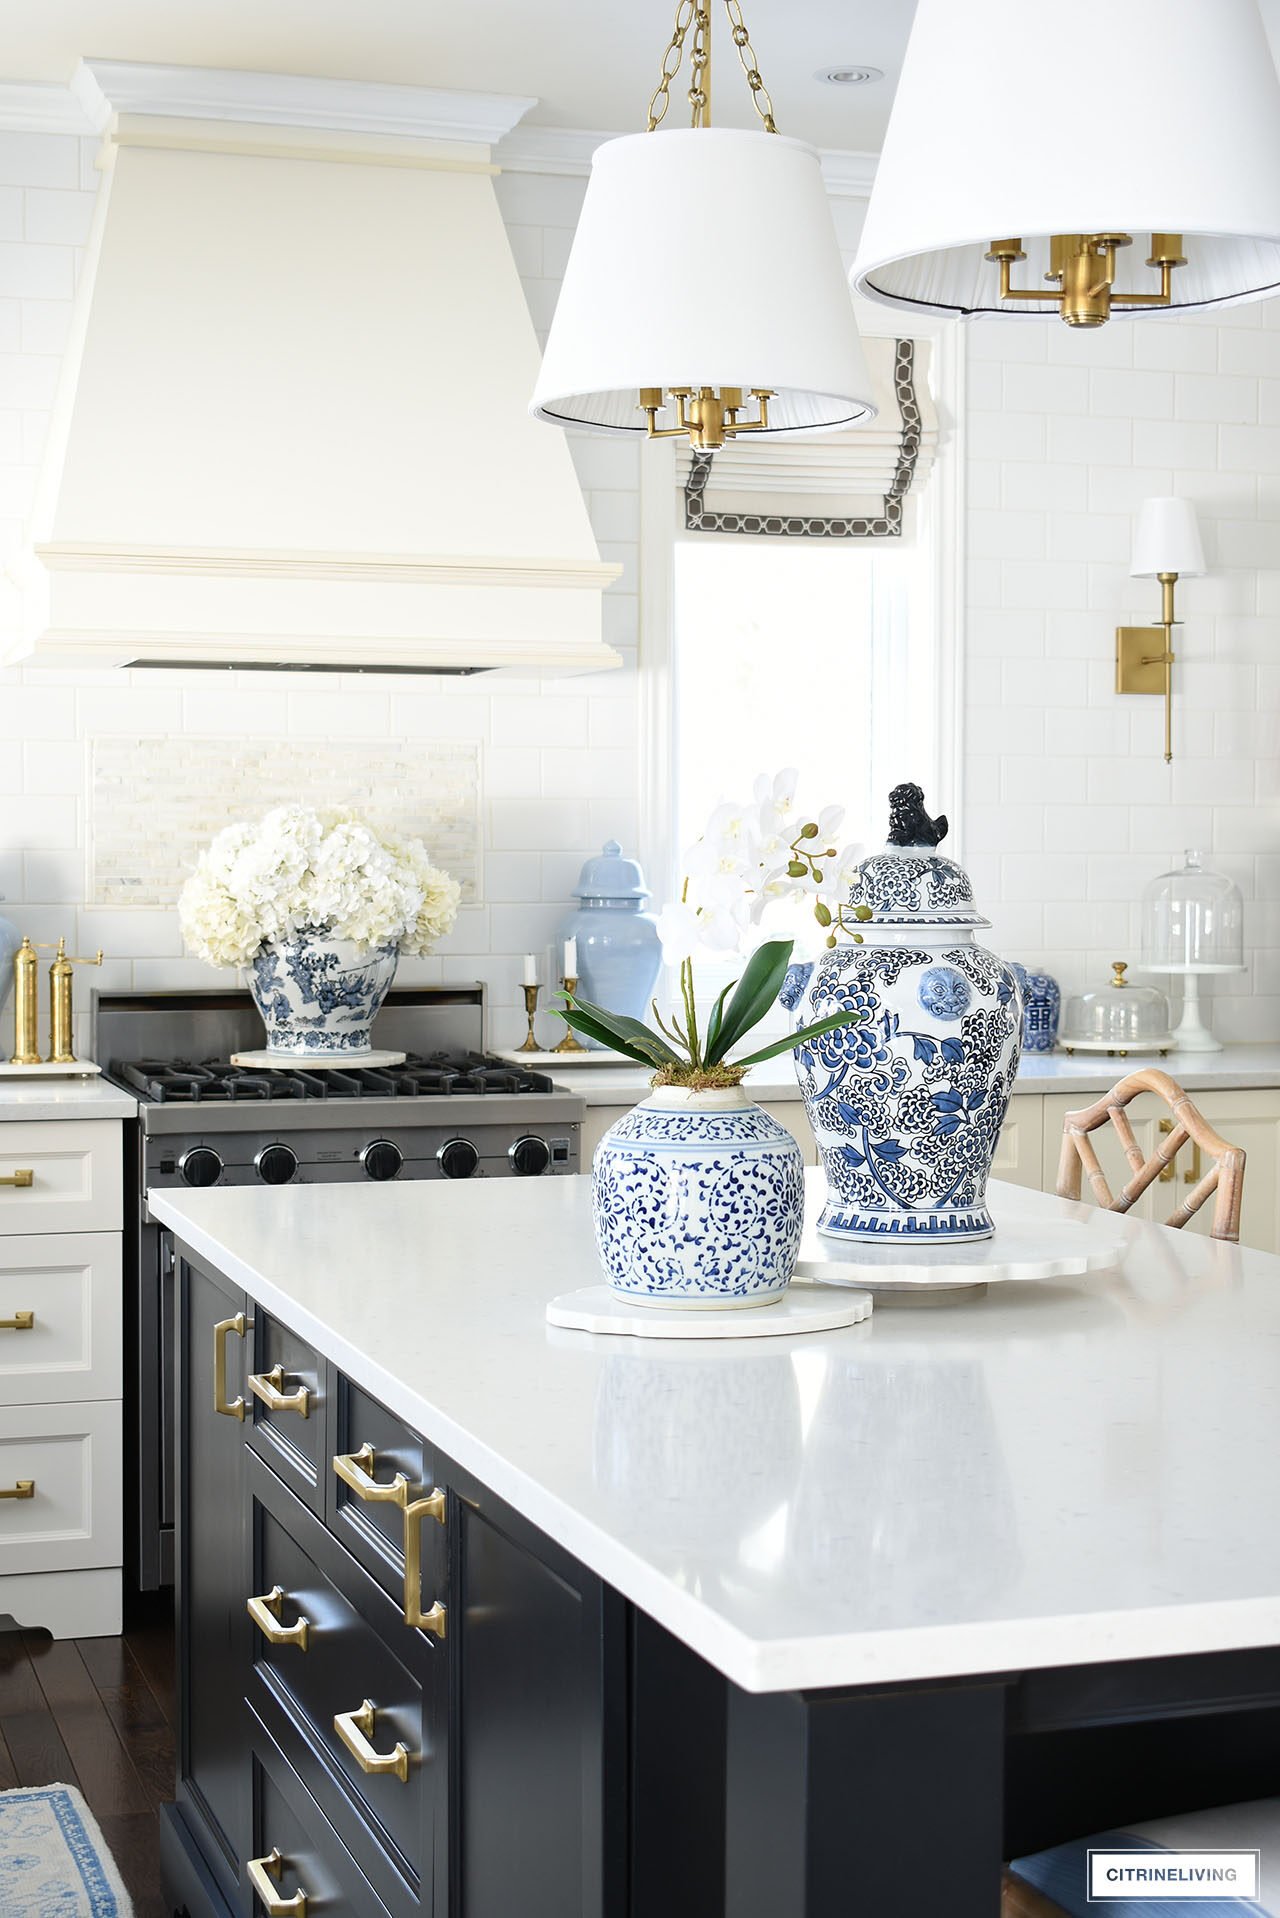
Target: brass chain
{"points": [[746, 54], [692, 13]]}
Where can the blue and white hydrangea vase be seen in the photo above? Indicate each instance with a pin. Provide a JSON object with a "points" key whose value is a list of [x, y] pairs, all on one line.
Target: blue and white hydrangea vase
{"points": [[319, 995], [1041, 1004], [698, 1200], [906, 1105]]}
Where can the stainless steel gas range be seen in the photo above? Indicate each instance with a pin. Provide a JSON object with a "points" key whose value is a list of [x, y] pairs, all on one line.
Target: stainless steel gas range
{"points": [[451, 1111]]}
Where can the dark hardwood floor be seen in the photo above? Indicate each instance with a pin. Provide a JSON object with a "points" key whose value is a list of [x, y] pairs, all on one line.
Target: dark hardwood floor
{"points": [[98, 1713]]}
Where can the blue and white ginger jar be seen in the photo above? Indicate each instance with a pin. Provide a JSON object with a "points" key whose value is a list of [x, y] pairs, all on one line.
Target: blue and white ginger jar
{"points": [[319, 995], [619, 952], [907, 1105], [698, 1200], [1041, 1005]]}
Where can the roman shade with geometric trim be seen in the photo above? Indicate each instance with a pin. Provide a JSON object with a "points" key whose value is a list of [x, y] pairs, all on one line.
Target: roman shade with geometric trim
{"points": [[847, 485]]}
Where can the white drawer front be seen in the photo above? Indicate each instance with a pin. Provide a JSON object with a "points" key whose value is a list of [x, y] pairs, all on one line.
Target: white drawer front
{"points": [[75, 1168], [71, 1453], [68, 1284]]}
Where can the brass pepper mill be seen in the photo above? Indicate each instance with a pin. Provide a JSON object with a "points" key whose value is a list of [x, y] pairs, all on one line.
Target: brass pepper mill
{"points": [[60, 974], [26, 1006]]}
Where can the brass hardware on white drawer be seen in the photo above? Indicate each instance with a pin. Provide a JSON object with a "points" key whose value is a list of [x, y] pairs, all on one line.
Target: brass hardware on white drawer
{"points": [[268, 1386], [1170, 1172], [433, 1619], [25, 1488], [356, 1470], [264, 1875], [1194, 1176], [356, 1730], [265, 1613], [23, 1178], [20, 1322], [230, 1408]]}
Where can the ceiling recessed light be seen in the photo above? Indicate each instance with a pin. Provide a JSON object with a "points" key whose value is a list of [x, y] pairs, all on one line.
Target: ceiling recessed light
{"points": [[849, 76]]}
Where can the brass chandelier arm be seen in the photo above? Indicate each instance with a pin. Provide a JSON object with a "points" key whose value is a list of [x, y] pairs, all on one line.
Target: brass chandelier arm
{"points": [[694, 15], [705, 417], [1084, 265]]}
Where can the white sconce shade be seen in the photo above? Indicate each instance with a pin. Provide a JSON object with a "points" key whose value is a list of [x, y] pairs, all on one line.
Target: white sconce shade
{"points": [[1167, 540], [705, 256], [1137, 117]]}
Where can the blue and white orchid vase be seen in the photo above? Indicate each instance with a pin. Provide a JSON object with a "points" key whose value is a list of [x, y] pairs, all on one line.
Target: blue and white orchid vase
{"points": [[319, 996], [906, 1105], [698, 1200]]}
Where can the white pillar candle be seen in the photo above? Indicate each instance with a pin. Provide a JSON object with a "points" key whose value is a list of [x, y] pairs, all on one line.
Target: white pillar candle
{"points": [[570, 958], [530, 970]]}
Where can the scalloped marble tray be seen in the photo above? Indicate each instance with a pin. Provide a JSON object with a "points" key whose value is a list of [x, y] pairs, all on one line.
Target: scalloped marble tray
{"points": [[597, 1308], [1019, 1249], [315, 1061]]}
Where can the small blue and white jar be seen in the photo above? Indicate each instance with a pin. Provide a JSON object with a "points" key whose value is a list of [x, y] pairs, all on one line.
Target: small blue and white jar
{"points": [[907, 1104], [319, 996], [698, 1200], [1041, 1005]]}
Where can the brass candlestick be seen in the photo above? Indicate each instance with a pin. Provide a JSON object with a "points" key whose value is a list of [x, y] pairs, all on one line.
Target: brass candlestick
{"points": [[531, 1007], [570, 1042]]}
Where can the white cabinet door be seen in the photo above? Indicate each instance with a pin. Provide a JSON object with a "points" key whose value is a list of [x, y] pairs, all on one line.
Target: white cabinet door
{"points": [[59, 1317], [1020, 1147], [70, 1455], [60, 1175]]}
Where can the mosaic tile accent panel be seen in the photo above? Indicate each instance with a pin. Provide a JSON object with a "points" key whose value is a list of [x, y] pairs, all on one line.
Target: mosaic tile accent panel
{"points": [[155, 803]]}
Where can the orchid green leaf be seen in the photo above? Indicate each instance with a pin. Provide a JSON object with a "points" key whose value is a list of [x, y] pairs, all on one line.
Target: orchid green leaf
{"points": [[795, 1039], [757, 990]]}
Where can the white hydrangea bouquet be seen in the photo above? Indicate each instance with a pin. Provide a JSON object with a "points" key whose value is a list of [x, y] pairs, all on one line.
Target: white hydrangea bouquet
{"points": [[299, 869], [753, 854], [318, 906]]}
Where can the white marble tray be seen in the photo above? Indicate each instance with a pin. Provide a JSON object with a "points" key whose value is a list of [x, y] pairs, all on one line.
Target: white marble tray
{"points": [[574, 1059], [1021, 1248], [315, 1061], [595, 1308], [76, 1069]]}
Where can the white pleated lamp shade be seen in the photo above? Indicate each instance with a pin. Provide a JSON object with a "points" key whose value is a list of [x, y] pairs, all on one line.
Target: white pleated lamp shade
{"points": [[704, 256], [1166, 539], [1030, 118]]}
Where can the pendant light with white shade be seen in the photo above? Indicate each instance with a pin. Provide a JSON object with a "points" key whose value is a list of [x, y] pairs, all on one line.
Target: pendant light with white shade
{"points": [[704, 297], [1101, 134]]}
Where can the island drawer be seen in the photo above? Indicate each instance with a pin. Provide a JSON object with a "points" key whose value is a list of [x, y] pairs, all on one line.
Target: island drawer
{"points": [[60, 1175], [382, 1772], [287, 1393], [372, 1450], [294, 1847]]}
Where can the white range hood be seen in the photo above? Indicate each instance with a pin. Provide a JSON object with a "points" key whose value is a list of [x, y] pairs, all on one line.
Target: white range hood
{"points": [[293, 423]]}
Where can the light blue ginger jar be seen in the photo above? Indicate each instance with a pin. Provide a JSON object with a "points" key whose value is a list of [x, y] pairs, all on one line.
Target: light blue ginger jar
{"points": [[10, 940], [698, 1200], [1041, 1005], [907, 1105], [619, 952]]}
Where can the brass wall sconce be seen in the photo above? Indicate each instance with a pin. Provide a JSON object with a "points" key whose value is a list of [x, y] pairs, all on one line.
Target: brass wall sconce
{"points": [[1166, 545]]}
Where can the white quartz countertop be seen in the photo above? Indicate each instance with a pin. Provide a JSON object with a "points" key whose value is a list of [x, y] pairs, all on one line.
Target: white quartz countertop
{"points": [[1055, 1473], [32, 1099], [1084, 1072]]}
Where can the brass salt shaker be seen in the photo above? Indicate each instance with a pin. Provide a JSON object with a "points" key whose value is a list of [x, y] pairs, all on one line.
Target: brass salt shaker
{"points": [[26, 1006], [60, 975]]}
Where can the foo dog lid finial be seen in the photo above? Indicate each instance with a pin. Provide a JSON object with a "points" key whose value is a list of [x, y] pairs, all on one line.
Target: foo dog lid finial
{"points": [[910, 883]]}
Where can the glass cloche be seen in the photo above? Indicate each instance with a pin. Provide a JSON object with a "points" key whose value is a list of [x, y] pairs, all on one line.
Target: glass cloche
{"points": [[1192, 921], [1118, 1018]]}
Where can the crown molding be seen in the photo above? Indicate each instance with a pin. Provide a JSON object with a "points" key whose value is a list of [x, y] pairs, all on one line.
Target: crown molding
{"points": [[104, 88], [849, 174], [569, 150], [27, 106]]}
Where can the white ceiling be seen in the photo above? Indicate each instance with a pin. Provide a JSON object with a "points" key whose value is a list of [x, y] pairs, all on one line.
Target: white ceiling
{"points": [[590, 65]]}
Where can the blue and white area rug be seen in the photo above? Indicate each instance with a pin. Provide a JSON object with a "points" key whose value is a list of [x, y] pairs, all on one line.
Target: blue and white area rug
{"points": [[54, 1861]]}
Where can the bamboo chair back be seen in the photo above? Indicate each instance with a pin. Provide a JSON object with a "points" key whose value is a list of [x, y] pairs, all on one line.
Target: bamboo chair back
{"points": [[1224, 1179]]}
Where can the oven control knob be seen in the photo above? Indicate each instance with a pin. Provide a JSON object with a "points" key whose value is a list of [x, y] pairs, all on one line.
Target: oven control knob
{"points": [[200, 1166], [458, 1158], [381, 1159], [529, 1157], [276, 1164]]}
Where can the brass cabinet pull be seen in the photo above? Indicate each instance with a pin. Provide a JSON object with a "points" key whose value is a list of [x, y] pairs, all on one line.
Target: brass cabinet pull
{"points": [[356, 1470], [264, 1874], [267, 1387], [20, 1322], [1194, 1176], [356, 1730], [22, 1178], [1170, 1172], [432, 1620], [233, 1408], [25, 1488], [265, 1613]]}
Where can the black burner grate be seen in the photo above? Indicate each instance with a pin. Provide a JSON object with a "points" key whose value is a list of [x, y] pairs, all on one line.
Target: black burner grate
{"points": [[440, 1076]]}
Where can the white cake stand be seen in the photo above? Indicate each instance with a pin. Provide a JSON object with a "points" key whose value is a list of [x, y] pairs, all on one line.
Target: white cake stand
{"points": [[597, 1308], [315, 1061], [1021, 1248]]}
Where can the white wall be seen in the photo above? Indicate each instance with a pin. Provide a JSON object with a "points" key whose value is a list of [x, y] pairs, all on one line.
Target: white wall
{"points": [[1069, 806], [559, 754]]}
